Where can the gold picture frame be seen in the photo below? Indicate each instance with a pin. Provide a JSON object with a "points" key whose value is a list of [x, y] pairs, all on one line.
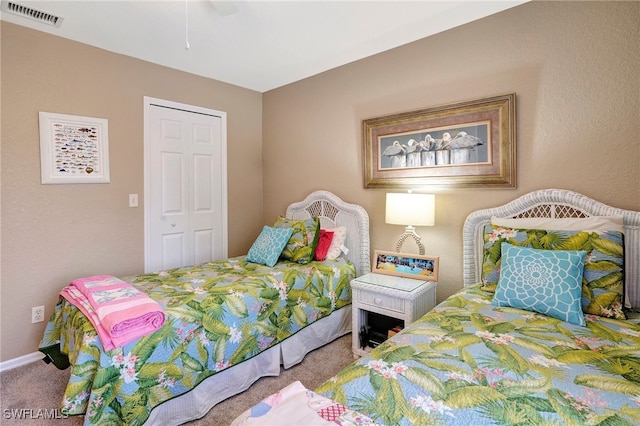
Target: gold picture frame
{"points": [[406, 265], [466, 144]]}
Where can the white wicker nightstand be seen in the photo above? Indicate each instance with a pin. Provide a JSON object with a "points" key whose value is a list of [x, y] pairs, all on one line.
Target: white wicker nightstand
{"points": [[405, 299]]}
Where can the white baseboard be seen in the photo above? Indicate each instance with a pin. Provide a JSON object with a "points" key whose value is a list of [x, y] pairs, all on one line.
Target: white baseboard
{"points": [[20, 361]]}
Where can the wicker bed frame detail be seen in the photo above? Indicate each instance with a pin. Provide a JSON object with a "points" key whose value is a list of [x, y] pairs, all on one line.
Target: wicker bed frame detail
{"points": [[554, 203], [334, 212]]}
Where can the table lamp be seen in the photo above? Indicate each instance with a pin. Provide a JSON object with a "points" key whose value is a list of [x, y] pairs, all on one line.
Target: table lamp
{"points": [[410, 210]]}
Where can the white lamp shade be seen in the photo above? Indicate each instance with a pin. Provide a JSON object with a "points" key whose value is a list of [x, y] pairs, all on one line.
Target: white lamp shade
{"points": [[411, 209]]}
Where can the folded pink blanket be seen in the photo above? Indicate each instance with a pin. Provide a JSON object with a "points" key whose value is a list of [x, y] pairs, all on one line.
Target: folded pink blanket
{"points": [[119, 312]]}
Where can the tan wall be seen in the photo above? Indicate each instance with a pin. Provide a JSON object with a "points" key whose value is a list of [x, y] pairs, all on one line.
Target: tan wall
{"points": [[573, 66], [54, 233]]}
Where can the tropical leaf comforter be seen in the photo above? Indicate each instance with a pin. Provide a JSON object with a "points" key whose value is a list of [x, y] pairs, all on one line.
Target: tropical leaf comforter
{"points": [[218, 314], [469, 363]]}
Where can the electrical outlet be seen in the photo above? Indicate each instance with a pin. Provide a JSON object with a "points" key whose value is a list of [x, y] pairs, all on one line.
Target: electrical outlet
{"points": [[37, 314]]}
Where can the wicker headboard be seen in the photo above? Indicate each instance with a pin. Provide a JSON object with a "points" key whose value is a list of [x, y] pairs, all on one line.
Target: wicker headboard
{"points": [[334, 212], [554, 203]]}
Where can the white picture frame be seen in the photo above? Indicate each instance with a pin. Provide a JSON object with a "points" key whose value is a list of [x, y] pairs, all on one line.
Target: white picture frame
{"points": [[73, 149]]}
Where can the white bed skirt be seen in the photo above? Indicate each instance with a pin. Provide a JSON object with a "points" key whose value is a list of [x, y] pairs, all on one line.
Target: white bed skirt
{"points": [[196, 403]]}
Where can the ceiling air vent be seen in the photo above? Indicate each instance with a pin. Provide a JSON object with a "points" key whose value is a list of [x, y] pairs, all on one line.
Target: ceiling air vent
{"points": [[31, 13]]}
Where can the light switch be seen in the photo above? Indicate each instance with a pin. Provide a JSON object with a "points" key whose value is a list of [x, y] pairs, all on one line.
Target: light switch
{"points": [[133, 200]]}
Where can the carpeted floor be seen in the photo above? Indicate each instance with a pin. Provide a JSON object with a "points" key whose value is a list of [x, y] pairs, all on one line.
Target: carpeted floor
{"points": [[39, 386]]}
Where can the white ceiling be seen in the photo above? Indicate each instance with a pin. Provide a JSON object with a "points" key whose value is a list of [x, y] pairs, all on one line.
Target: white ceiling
{"points": [[259, 45]]}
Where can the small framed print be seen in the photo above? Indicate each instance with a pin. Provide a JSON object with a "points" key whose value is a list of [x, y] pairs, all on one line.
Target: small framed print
{"points": [[406, 265], [73, 149]]}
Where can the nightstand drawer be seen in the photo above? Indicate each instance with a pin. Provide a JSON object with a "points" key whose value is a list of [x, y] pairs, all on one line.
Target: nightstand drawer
{"points": [[381, 301]]}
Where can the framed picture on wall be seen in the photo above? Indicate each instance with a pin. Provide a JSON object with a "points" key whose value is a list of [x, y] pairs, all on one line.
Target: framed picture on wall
{"points": [[73, 149], [406, 265], [468, 144]]}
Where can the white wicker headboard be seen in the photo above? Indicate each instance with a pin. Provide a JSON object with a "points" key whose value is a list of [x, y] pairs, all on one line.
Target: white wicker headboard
{"points": [[334, 212], [554, 203]]}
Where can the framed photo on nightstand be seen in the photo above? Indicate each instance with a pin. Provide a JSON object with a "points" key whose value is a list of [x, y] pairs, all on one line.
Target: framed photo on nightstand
{"points": [[406, 265]]}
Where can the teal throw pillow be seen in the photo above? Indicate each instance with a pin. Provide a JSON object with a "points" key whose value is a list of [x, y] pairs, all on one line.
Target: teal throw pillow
{"points": [[267, 247], [603, 275], [544, 281]]}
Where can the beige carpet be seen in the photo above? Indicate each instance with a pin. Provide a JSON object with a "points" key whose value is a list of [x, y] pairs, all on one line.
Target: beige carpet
{"points": [[39, 386]]}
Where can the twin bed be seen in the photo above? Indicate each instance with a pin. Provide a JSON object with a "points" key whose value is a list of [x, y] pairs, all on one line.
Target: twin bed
{"points": [[228, 323], [477, 358]]}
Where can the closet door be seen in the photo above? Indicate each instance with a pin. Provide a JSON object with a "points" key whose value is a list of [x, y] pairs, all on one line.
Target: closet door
{"points": [[185, 185]]}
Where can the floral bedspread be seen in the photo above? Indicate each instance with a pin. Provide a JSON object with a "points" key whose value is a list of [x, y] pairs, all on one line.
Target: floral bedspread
{"points": [[468, 363], [296, 405], [218, 315]]}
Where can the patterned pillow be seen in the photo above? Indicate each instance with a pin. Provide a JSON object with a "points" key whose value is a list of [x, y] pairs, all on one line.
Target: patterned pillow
{"points": [[544, 281], [267, 247], [339, 237], [603, 275], [303, 241]]}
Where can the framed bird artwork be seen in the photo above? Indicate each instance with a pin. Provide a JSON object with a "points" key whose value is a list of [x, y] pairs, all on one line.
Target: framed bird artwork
{"points": [[466, 144]]}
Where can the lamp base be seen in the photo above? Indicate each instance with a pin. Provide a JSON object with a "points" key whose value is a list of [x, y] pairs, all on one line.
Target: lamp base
{"points": [[410, 231]]}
